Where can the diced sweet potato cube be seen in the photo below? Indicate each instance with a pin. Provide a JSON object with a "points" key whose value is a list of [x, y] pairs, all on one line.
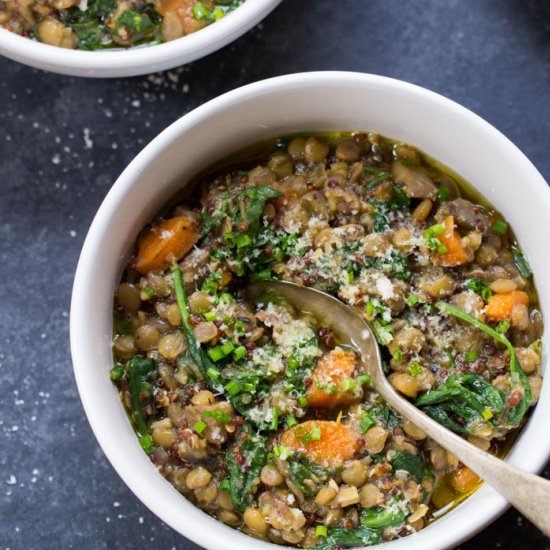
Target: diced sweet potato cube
{"points": [[165, 243], [331, 370], [325, 442], [499, 306]]}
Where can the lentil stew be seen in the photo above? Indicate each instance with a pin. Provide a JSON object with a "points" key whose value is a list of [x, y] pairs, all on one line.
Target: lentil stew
{"points": [[110, 24], [254, 411]]}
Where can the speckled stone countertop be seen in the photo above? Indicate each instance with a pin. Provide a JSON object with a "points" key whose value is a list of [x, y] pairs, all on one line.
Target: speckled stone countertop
{"points": [[63, 142]]}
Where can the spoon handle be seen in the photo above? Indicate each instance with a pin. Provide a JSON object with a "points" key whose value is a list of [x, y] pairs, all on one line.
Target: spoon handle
{"points": [[529, 493]]}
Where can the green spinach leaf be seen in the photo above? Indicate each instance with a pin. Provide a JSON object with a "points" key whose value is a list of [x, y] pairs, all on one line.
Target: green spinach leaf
{"points": [[139, 370], [340, 538], [410, 463], [513, 411], [379, 516], [245, 460], [300, 469]]}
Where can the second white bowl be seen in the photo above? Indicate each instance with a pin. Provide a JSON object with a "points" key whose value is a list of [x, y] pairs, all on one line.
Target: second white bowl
{"points": [[139, 60]]}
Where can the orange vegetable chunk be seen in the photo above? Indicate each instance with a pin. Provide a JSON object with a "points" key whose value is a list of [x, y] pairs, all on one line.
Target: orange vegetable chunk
{"points": [[336, 442], [499, 306], [464, 480], [455, 254], [165, 243], [330, 371]]}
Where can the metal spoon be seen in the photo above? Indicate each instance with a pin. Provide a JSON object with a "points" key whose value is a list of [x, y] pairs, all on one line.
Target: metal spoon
{"points": [[529, 493]]}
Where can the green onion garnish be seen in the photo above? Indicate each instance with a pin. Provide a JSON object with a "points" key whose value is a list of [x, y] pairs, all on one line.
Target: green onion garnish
{"points": [[321, 531], [200, 426], [499, 228], [147, 443], [239, 353], [233, 388]]}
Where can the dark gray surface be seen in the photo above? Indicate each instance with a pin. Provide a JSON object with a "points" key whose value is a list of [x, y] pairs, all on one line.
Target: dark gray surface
{"points": [[63, 141]]}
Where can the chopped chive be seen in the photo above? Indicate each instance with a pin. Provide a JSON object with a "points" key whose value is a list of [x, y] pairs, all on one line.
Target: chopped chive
{"points": [[430, 236], [239, 353], [200, 11], [250, 386], [487, 414], [214, 373], [302, 402], [227, 348], [398, 355], [240, 327], [233, 388], [499, 227], [147, 443], [366, 422], [216, 353], [282, 452], [149, 292], [291, 421], [369, 308], [415, 368], [292, 362], [224, 485], [363, 379], [321, 531], [348, 384], [211, 316], [315, 433], [275, 420], [433, 231], [411, 300], [200, 426], [471, 356], [116, 372]]}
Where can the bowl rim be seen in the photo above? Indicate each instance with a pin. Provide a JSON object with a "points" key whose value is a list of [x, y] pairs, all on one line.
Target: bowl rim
{"points": [[538, 457], [140, 59]]}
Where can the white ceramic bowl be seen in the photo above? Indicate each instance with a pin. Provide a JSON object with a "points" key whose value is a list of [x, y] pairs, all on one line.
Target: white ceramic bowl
{"points": [[141, 60], [310, 101]]}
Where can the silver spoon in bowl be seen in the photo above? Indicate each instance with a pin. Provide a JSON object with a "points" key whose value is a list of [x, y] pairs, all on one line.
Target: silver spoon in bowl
{"points": [[529, 493]]}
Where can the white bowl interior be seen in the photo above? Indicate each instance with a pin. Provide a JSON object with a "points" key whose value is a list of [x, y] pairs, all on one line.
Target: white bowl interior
{"points": [[140, 60], [314, 101]]}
